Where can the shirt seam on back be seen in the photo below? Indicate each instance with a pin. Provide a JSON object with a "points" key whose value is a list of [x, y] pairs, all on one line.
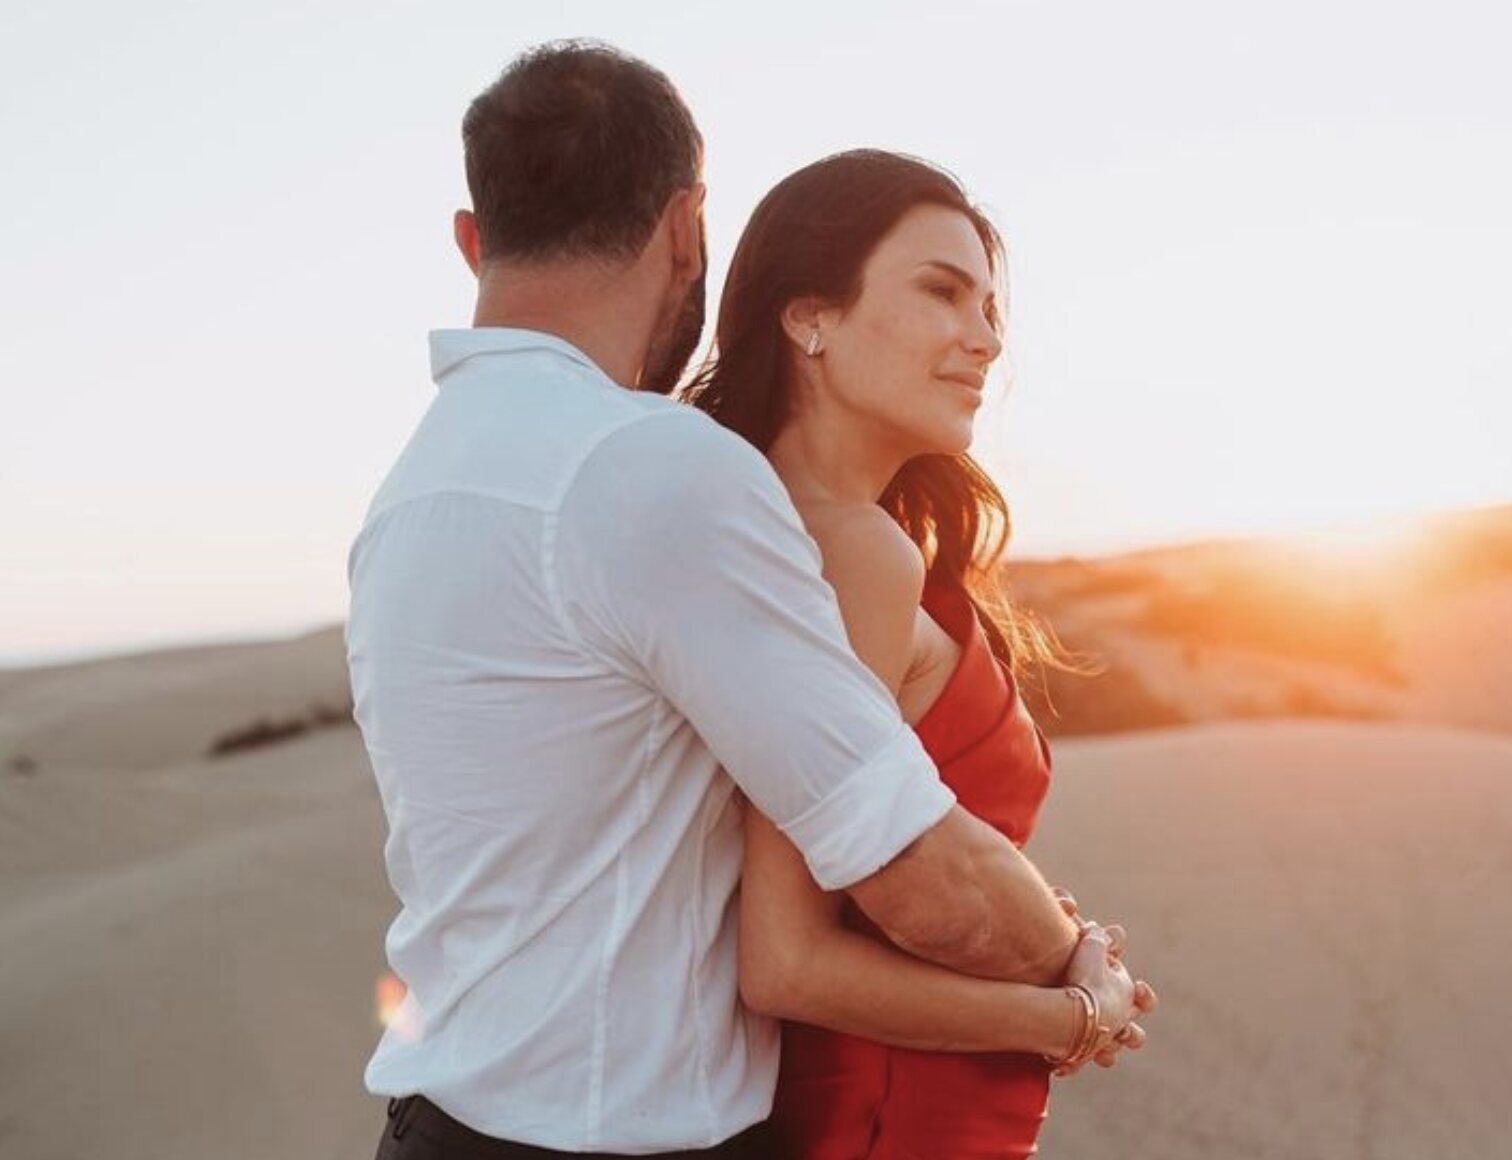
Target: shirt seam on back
{"points": [[613, 938], [377, 515], [550, 524], [700, 1022]]}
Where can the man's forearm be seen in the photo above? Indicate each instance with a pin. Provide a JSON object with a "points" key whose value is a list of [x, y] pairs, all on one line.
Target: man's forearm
{"points": [[964, 897]]}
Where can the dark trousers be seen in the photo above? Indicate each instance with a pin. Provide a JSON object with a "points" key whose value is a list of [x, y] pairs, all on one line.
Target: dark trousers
{"points": [[418, 1130]]}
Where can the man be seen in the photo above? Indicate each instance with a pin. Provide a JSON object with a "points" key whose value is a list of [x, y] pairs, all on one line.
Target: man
{"points": [[575, 606]]}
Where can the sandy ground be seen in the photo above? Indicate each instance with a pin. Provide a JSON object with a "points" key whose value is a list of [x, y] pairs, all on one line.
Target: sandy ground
{"points": [[189, 958], [1326, 910], [189, 947]]}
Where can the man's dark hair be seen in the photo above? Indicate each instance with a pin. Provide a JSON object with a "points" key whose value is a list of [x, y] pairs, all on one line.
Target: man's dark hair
{"points": [[574, 151]]}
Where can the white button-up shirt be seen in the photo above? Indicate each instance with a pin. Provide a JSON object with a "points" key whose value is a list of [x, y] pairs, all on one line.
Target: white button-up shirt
{"points": [[581, 618]]}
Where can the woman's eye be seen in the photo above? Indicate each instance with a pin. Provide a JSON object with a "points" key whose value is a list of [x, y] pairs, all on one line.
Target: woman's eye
{"points": [[944, 291]]}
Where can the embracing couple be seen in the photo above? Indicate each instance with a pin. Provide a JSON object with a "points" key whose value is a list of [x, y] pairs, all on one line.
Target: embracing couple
{"points": [[695, 721]]}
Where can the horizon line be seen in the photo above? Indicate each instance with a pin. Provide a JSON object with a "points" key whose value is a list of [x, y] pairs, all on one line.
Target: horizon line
{"points": [[1111, 548]]}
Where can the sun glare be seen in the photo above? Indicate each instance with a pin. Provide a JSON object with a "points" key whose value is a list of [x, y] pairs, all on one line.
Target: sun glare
{"points": [[1374, 547]]}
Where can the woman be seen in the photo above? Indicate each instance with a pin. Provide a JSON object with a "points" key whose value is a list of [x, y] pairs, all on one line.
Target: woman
{"points": [[858, 322]]}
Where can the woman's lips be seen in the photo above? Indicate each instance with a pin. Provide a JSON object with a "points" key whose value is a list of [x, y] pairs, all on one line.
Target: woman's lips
{"points": [[972, 379]]}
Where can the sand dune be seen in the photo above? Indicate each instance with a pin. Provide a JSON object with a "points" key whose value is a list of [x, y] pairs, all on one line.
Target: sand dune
{"points": [[152, 709], [190, 949], [1418, 630]]}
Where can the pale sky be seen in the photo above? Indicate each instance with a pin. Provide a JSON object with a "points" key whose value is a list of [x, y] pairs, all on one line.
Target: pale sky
{"points": [[1261, 268]]}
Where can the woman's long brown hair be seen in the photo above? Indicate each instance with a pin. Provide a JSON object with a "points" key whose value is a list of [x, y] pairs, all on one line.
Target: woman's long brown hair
{"points": [[811, 236]]}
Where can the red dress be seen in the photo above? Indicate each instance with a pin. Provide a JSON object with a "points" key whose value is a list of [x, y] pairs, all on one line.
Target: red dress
{"points": [[840, 1097]]}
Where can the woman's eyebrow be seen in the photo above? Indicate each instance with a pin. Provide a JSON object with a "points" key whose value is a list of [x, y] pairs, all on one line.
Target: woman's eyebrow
{"points": [[962, 276]]}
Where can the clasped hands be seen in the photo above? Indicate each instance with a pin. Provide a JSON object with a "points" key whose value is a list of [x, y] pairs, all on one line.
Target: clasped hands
{"points": [[1098, 965]]}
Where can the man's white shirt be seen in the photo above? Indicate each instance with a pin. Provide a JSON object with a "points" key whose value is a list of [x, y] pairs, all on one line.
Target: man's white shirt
{"points": [[583, 620]]}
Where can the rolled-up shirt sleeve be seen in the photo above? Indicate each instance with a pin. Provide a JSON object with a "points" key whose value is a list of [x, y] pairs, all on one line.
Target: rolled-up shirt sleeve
{"points": [[677, 555]]}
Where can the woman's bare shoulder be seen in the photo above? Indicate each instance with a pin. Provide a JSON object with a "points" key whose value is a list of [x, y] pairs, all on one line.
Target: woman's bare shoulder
{"points": [[863, 541], [877, 573]]}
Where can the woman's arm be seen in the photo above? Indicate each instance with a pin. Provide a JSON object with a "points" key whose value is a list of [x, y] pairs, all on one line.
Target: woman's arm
{"points": [[961, 895]]}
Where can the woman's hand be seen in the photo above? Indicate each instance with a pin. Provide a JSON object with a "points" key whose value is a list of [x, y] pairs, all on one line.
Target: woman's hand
{"points": [[1121, 999], [1098, 966]]}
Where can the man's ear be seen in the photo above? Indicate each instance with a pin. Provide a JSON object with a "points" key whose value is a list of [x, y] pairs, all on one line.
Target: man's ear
{"points": [[685, 222], [465, 230]]}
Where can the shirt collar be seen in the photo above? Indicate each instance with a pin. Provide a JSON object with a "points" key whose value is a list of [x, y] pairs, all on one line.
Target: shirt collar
{"points": [[449, 349]]}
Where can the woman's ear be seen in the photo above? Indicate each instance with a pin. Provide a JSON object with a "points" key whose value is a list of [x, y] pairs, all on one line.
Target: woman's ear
{"points": [[802, 322]]}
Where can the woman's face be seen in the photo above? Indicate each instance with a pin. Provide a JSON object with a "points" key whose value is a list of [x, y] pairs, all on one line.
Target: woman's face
{"points": [[910, 356]]}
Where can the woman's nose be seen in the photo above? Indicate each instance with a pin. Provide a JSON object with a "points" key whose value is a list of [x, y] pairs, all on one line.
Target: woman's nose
{"points": [[984, 341]]}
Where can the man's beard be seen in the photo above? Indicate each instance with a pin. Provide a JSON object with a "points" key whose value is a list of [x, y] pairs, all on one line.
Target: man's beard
{"points": [[674, 345]]}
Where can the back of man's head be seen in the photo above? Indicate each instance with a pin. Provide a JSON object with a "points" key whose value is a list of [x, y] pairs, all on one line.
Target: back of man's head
{"points": [[573, 153]]}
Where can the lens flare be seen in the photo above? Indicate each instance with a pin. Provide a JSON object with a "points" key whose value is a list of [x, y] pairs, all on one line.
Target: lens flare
{"points": [[396, 1010], [390, 993]]}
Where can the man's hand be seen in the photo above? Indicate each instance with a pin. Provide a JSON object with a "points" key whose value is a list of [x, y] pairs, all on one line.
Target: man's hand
{"points": [[1068, 904]]}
